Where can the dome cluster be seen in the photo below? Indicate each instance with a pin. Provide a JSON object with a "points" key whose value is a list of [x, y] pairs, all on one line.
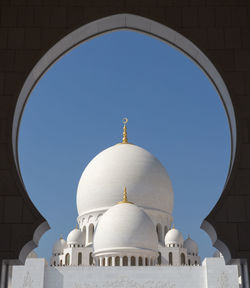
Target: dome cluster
{"points": [[125, 233], [181, 252]]}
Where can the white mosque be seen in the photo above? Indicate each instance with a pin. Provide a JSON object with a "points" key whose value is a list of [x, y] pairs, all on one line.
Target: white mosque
{"points": [[125, 203]]}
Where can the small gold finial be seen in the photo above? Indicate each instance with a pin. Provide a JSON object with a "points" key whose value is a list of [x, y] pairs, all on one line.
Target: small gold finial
{"points": [[125, 198], [173, 227], [61, 237], [124, 134]]}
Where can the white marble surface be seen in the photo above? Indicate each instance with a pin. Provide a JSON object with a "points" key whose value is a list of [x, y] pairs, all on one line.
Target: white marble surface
{"points": [[212, 274]]}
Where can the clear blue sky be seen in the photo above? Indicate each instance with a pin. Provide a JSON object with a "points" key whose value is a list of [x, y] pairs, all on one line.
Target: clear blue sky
{"points": [[75, 112]]}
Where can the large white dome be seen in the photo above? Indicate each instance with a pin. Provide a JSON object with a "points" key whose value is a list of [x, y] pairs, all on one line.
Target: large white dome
{"points": [[125, 226], [123, 165]]}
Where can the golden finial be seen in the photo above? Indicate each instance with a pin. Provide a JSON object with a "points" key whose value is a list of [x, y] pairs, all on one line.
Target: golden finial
{"points": [[125, 198], [173, 227], [61, 237], [124, 134]]}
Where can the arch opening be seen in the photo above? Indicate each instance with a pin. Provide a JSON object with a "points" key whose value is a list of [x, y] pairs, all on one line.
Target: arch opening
{"points": [[157, 30]]}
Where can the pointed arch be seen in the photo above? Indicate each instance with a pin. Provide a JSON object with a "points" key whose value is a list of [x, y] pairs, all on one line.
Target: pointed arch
{"points": [[90, 258], [183, 259], [133, 261], [67, 259], [124, 261], [84, 235], [91, 233], [140, 261], [79, 258], [170, 258], [159, 232], [117, 261]]}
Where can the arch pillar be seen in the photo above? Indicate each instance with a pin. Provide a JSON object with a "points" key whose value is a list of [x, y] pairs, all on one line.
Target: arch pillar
{"points": [[129, 260]]}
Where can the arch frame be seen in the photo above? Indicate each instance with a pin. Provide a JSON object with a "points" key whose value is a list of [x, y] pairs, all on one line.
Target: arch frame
{"points": [[142, 25]]}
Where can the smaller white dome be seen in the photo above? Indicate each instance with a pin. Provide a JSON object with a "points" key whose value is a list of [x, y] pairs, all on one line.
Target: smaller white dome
{"points": [[59, 246], [191, 246], [75, 237], [174, 236], [125, 227]]}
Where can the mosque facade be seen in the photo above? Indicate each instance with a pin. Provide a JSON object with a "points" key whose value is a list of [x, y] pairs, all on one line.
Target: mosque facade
{"points": [[124, 235]]}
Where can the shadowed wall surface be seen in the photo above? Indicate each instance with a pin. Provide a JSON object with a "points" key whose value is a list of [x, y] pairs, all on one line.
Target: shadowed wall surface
{"points": [[28, 29]]}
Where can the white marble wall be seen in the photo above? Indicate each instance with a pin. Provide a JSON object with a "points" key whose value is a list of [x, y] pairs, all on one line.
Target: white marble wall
{"points": [[212, 274], [31, 275]]}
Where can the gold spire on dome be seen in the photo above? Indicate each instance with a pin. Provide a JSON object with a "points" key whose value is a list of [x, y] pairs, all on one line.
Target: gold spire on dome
{"points": [[124, 134], [125, 198]]}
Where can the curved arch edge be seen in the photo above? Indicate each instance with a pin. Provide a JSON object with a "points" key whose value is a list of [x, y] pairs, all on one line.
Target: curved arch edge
{"points": [[32, 244], [218, 244]]}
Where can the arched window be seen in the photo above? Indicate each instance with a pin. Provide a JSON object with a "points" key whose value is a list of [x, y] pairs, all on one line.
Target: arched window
{"points": [[140, 261], [146, 261], [60, 262], [110, 261], [117, 261], [189, 262], [67, 259], [132, 261], [195, 263], [54, 263], [91, 232], [183, 261], [125, 261], [91, 258], [165, 230], [79, 258], [84, 235], [159, 232], [170, 258], [159, 258]]}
